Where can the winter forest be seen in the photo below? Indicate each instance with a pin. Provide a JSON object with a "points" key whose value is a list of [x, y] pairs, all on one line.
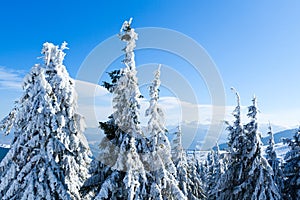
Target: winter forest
{"points": [[49, 157]]}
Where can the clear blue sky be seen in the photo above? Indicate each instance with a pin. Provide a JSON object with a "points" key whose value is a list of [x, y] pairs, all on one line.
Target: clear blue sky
{"points": [[255, 44]]}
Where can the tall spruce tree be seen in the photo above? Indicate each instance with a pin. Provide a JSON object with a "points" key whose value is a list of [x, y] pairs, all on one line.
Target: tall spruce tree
{"points": [[209, 172], [162, 172], [188, 170], [130, 165], [49, 154], [274, 161], [232, 177], [180, 160], [291, 168], [214, 172], [119, 172], [236, 135], [249, 176], [259, 180], [194, 183]]}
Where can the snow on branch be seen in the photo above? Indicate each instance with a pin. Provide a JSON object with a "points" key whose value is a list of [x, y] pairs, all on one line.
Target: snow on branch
{"points": [[53, 54], [128, 35]]}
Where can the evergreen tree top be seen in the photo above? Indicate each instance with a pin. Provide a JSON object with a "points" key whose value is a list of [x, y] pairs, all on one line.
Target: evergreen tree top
{"points": [[236, 130], [271, 153], [53, 54], [155, 124], [237, 110], [49, 154], [252, 110], [126, 91], [128, 35]]}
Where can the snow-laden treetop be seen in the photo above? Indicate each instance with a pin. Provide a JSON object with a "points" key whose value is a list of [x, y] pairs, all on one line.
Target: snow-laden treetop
{"points": [[53, 54], [128, 35]]}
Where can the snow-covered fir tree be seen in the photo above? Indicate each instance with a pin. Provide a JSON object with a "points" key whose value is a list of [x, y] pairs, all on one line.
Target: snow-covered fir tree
{"points": [[236, 130], [209, 171], [230, 179], [49, 154], [249, 176], [188, 170], [119, 172], [219, 160], [274, 161], [178, 152], [259, 179], [126, 92], [213, 172], [162, 172], [194, 184], [180, 160], [270, 150], [201, 168], [291, 168], [131, 166]]}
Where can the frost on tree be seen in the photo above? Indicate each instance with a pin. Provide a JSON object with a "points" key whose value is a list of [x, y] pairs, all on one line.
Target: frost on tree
{"points": [[180, 160], [214, 170], [188, 170], [292, 168], [230, 179], [162, 172], [130, 165], [235, 130], [119, 173], [274, 161], [194, 184], [49, 154], [249, 175]]}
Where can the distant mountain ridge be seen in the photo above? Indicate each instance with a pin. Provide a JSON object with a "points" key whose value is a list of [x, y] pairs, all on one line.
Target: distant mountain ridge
{"points": [[94, 139], [277, 138]]}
